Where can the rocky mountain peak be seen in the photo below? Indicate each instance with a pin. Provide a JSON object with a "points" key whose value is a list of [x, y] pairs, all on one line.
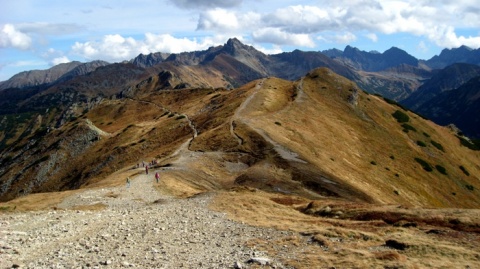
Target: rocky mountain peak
{"points": [[151, 59], [448, 57], [234, 47]]}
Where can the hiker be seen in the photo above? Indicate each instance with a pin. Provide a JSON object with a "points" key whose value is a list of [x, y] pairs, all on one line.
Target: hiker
{"points": [[146, 169], [128, 182], [157, 176]]}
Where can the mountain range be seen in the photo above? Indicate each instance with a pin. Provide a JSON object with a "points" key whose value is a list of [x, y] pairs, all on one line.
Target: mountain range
{"points": [[394, 74], [51, 120], [335, 151]]}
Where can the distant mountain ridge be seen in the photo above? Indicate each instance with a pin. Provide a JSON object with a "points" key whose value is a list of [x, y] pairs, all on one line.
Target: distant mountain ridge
{"points": [[372, 61], [447, 79], [460, 106], [56, 74], [38, 77], [448, 57], [394, 74]]}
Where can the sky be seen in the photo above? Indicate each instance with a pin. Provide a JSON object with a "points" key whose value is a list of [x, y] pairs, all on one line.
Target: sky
{"points": [[38, 34]]}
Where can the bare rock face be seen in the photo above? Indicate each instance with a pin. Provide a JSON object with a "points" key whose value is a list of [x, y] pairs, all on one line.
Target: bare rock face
{"points": [[353, 97]]}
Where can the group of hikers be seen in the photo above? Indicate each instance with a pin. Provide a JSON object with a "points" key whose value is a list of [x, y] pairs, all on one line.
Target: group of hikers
{"points": [[146, 166]]}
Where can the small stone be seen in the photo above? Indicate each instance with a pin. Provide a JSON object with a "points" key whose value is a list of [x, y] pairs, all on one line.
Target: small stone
{"points": [[237, 265], [260, 260]]}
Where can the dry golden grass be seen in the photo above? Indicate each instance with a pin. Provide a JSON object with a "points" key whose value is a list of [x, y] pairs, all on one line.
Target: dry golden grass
{"points": [[92, 207], [37, 201], [323, 242]]}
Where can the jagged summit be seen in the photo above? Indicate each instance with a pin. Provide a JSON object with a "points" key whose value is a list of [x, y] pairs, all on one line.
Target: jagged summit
{"points": [[150, 59], [463, 54]]}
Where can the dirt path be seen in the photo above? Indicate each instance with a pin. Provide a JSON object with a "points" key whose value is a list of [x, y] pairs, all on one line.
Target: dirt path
{"points": [[240, 117], [139, 228]]}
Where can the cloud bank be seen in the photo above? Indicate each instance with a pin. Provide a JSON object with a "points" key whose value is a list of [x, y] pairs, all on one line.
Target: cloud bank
{"points": [[115, 48], [11, 37]]}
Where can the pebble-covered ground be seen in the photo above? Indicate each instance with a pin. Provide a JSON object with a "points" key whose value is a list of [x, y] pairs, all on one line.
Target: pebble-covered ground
{"points": [[139, 228]]}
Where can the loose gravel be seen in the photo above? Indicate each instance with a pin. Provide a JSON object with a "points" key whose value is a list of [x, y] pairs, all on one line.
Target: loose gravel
{"points": [[139, 228]]}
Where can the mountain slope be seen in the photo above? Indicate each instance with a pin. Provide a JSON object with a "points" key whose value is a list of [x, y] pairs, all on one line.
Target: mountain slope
{"points": [[460, 106], [316, 137], [446, 79], [38, 77]]}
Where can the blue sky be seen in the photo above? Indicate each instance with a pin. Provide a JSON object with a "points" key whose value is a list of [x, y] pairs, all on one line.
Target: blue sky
{"points": [[37, 34]]}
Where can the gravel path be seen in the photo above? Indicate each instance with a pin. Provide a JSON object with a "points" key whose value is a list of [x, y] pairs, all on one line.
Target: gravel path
{"points": [[140, 228]]}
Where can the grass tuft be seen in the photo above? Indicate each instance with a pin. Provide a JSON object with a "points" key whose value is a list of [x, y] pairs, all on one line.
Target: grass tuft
{"points": [[425, 165], [421, 144], [464, 170], [438, 145], [400, 116], [441, 169]]}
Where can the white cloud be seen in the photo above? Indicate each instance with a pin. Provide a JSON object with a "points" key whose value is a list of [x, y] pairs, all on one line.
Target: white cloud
{"points": [[60, 60], [11, 37], [279, 37], [274, 50], [219, 20], [27, 63], [50, 28], [449, 39], [291, 25], [200, 4], [372, 37], [344, 38], [422, 47], [118, 48], [302, 19]]}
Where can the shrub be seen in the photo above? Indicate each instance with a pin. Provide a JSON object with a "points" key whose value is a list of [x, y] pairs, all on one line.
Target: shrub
{"points": [[425, 165], [438, 146], [393, 102], [408, 127], [464, 170], [400, 116], [373, 163], [469, 187], [441, 169], [181, 117], [392, 157], [425, 134], [421, 144], [278, 123], [396, 192]]}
